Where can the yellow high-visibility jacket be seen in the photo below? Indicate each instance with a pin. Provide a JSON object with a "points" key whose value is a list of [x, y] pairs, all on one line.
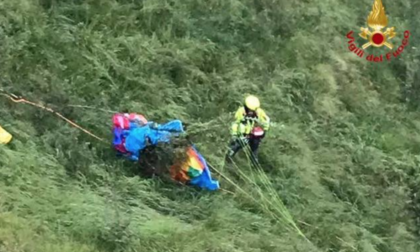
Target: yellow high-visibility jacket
{"points": [[243, 125]]}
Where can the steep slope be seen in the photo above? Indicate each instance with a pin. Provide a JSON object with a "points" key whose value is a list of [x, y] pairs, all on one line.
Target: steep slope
{"points": [[345, 164]]}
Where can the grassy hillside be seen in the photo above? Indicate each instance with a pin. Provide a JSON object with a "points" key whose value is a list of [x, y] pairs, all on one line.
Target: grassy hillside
{"points": [[345, 164]]}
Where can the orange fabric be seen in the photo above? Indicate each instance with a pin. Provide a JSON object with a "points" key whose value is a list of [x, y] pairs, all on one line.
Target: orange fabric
{"points": [[179, 171]]}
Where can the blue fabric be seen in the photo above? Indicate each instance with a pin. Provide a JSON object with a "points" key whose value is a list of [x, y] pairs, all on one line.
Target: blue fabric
{"points": [[118, 136], [163, 133], [136, 140], [172, 126], [133, 125], [205, 180]]}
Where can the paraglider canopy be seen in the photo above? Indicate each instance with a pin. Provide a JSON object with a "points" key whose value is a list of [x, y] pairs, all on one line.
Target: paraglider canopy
{"points": [[140, 119]]}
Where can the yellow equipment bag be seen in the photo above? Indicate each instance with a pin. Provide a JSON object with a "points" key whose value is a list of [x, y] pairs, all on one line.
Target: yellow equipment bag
{"points": [[5, 137]]}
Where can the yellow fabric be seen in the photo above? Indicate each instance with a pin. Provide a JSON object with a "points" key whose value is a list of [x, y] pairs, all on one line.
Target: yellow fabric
{"points": [[240, 127], [5, 137], [194, 164]]}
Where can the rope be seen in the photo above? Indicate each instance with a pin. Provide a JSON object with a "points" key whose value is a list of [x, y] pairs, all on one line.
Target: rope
{"points": [[17, 99]]}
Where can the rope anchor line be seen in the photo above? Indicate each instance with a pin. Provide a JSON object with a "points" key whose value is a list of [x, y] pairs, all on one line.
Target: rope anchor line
{"points": [[289, 220], [17, 99]]}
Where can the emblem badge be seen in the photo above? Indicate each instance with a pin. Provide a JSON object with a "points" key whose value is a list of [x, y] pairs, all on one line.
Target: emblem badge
{"points": [[377, 20]]}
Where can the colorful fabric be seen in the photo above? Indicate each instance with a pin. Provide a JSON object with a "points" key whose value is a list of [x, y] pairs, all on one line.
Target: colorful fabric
{"points": [[194, 171], [131, 135], [140, 119], [191, 168], [119, 140], [122, 123], [127, 121]]}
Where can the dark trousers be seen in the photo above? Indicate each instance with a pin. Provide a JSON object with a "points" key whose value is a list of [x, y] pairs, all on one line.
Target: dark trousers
{"points": [[237, 145]]}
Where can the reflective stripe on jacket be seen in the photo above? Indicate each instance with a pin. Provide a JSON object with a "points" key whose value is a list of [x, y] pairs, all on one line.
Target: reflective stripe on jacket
{"points": [[244, 124]]}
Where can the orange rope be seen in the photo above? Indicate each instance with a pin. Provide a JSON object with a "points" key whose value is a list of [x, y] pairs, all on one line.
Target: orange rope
{"points": [[16, 99]]}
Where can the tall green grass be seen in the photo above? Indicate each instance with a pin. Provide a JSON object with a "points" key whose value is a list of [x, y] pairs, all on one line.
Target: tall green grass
{"points": [[340, 176]]}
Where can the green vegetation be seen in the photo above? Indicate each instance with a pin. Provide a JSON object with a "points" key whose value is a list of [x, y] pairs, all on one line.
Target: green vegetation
{"points": [[346, 164]]}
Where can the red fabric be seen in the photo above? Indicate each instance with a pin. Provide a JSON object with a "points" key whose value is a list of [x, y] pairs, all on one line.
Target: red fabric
{"points": [[138, 117], [121, 147], [120, 121]]}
